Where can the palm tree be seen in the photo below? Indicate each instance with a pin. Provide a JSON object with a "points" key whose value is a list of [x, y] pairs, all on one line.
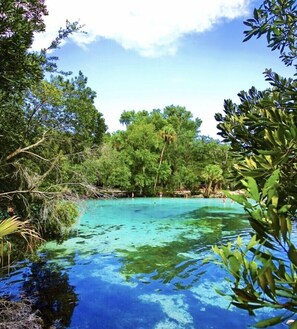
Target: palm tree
{"points": [[211, 174], [14, 226], [168, 134]]}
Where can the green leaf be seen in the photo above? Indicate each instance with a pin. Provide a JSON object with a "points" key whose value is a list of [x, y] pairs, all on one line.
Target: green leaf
{"points": [[253, 268], [283, 225], [293, 254], [239, 241], [245, 296], [268, 322], [286, 294], [270, 279], [259, 228], [245, 306], [253, 189], [234, 265], [256, 14], [248, 35], [252, 242], [271, 182], [284, 209], [241, 199], [220, 292]]}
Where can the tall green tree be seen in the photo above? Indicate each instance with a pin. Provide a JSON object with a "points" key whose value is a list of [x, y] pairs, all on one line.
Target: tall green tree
{"points": [[208, 151], [110, 169], [262, 130], [187, 132], [19, 21], [142, 145], [212, 175], [65, 106], [169, 142], [159, 145], [168, 136], [40, 122]]}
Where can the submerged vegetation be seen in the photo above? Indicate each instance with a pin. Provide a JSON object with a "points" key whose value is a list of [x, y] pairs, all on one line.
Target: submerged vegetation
{"points": [[178, 262]]}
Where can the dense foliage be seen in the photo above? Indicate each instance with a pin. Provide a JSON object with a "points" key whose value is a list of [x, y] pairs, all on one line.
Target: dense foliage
{"points": [[262, 131], [162, 151], [45, 124]]}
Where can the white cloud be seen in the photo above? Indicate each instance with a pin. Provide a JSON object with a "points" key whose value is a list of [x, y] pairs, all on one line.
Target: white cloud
{"points": [[151, 27]]}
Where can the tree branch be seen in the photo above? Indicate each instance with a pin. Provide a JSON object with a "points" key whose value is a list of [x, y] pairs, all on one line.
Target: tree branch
{"points": [[21, 150]]}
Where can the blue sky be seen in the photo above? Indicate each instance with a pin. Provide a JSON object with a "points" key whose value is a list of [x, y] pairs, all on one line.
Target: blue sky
{"points": [[147, 54]]}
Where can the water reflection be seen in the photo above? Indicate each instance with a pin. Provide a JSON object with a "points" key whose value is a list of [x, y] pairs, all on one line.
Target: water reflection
{"points": [[52, 295], [138, 264]]}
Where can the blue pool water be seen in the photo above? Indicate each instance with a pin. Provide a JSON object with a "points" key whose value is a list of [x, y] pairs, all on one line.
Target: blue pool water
{"points": [[137, 264]]}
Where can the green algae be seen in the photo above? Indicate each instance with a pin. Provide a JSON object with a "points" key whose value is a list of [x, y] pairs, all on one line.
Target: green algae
{"points": [[167, 263], [179, 261]]}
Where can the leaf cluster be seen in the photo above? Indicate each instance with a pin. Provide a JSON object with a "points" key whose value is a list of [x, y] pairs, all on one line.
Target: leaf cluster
{"points": [[276, 19], [264, 268], [262, 131]]}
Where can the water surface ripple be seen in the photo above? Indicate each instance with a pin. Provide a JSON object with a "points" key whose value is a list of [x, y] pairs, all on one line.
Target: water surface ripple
{"points": [[136, 264]]}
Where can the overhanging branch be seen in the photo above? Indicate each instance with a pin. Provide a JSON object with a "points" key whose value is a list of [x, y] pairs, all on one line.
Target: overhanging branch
{"points": [[21, 150]]}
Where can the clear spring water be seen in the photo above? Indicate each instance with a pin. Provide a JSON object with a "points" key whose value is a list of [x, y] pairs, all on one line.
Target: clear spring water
{"points": [[136, 264]]}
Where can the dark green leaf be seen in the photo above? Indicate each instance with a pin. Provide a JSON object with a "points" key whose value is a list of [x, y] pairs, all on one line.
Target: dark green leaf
{"points": [[268, 322], [293, 254]]}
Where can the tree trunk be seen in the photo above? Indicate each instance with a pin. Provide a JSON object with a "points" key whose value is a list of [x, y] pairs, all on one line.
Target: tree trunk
{"points": [[160, 163]]}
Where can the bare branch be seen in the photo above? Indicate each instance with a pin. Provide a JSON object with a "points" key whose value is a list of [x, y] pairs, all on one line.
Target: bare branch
{"points": [[6, 194], [41, 178], [36, 155], [21, 150]]}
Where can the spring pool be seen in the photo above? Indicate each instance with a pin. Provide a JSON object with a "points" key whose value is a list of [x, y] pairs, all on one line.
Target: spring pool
{"points": [[137, 264]]}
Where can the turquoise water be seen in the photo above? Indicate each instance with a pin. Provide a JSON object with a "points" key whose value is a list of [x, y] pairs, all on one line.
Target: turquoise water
{"points": [[136, 264]]}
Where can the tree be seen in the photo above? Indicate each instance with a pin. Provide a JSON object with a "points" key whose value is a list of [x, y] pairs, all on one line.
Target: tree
{"points": [[212, 175], [110, 168], [168, 135], [65, 106], [19, 21], [142, 144], [127, 117], [168, 143], [262, 130], [208, 151], [277, 21], [19, 69], [41, 122], [159, 146], [59, 121], [180, 153]]}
